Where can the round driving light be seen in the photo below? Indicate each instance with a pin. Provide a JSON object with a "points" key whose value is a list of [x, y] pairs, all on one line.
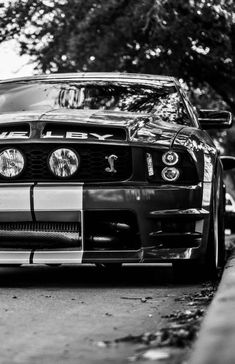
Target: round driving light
{"points": [[170, 174], [170, 158], [64, 162], [11, 163]]}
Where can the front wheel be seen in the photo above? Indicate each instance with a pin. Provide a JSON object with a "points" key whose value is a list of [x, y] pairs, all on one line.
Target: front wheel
{"points": [[215, 252]]}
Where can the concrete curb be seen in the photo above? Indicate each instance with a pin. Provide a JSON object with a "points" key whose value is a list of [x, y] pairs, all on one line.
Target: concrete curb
{"points": [[216, 341]]}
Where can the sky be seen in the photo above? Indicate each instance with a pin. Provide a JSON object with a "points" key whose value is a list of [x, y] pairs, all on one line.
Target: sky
{"points": [[11, 64]]}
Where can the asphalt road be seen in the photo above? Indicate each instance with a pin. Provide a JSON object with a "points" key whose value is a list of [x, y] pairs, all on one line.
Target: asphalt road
{"points": [[68, 314]]}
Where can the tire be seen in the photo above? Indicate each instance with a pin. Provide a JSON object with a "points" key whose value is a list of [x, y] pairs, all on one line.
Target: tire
{"points": [[221, 216], [211, 264], [215, 251]]}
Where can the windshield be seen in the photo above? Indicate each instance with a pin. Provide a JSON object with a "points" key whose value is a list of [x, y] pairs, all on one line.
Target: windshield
{"points": [[161, 98]]}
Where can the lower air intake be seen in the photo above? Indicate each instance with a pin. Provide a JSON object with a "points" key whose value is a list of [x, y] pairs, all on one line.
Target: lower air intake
{"points": [[111, 230], [40, 235]]}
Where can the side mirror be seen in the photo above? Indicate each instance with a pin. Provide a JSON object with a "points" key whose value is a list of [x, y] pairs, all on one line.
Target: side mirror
{"points": [[227, 162], [215, 119]]}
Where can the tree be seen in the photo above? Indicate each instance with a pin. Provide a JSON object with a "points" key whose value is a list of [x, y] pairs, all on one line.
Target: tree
{"points": [[190, 39]]}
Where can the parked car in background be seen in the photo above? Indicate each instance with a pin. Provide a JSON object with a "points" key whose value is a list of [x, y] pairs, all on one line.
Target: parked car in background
{"points": [[109, 168], [230, 212]]}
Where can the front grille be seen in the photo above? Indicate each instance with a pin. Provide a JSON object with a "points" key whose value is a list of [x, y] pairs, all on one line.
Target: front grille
{"points": [[93, 162], [40, 235], [41, 226]]}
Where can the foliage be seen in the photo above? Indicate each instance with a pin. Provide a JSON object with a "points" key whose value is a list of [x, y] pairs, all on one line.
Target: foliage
{"points": [[191, 39]]}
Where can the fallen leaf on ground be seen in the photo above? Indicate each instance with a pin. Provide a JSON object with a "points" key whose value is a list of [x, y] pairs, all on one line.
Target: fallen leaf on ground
{"points": [[155, 354], [142, 299], [101, 344]]}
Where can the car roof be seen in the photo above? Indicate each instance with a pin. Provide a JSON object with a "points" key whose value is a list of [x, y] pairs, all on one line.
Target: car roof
{"points": [[92, 76]]}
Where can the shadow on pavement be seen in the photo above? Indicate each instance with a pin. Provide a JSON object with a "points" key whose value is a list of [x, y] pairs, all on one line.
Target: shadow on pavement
{"points": [[91, 276]]}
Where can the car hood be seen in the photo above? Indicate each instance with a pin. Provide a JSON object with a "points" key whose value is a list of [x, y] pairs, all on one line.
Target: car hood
{"points": [[146, 128]]}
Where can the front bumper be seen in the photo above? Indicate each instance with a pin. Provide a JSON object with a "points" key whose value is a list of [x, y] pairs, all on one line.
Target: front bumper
{"points": [[147, 224]]}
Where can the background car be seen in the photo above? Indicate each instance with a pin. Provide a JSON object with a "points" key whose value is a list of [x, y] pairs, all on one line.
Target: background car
{"points": [[230, 213], [109, 168]]}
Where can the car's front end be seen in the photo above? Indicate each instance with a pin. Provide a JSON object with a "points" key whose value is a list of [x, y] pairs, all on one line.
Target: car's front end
{"points": [[101, 186]]}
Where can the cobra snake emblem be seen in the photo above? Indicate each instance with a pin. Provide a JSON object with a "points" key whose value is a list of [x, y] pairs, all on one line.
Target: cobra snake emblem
{"points": [[111, 160]]}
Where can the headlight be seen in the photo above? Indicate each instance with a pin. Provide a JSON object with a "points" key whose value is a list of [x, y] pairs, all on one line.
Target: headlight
{"points": [[64, 162], [11, 163], [170, 174], [170, 158], [172, 166]]}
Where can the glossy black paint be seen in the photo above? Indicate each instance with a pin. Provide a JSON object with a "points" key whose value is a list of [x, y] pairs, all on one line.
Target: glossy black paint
{"points": [[172, 218]]}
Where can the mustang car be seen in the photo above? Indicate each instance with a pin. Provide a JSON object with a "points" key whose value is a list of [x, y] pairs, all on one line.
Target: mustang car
{"points": [[108, 168]]}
